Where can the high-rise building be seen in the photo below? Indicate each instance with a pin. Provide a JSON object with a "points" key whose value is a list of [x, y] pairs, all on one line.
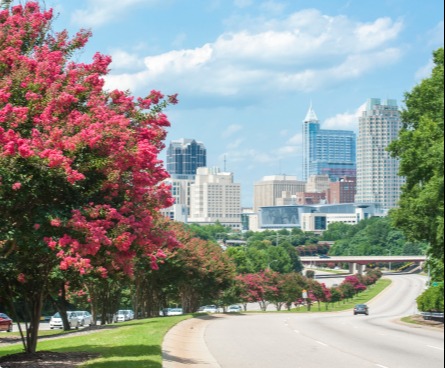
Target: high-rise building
{"points": [[327, 152], [271, 189], [215, 197], [184, 157], [342, 191], [180, 189], [377, 172]]}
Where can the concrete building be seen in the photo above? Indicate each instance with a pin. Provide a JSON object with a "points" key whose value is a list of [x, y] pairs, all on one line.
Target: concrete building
{"points": [[317, 217], [318, 184], [342, 191], [272, 188], [181, 192], [377, 172], [304, 199], [215, 197], [327, 152], [184, 157]]}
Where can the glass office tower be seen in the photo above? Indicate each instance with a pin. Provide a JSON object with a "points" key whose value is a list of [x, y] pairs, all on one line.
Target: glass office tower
{"points": [[328, 152]]}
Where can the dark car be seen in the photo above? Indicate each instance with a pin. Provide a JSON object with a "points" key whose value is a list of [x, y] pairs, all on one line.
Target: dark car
{"points": [[361, 309], [324, 256], [6, 323]]}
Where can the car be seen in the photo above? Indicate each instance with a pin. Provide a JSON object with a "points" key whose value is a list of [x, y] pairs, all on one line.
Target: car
{"points": [[209, 309], [121, 316], [234, 309], [324, 257], [361, 309], [171, 312], [6, 323], [56, 321], [85, 318], [130, 314]]}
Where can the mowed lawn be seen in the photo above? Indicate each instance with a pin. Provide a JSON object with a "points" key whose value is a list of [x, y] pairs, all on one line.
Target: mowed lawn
{"points": [[136, 344], [363, 298]]}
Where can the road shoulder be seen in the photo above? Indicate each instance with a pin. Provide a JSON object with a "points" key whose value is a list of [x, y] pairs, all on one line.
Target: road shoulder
{"points": [[184, 345]]}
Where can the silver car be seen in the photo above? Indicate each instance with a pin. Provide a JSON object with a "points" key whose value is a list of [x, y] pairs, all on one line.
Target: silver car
{"points": [[85, 318], [56, 321]]}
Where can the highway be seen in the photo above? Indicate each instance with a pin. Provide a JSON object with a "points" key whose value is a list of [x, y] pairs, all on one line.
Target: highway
{"points": [[334, 340]]}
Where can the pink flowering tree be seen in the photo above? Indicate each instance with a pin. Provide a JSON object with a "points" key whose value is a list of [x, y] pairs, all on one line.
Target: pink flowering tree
{"points": [[262, 288], [80, 178]]}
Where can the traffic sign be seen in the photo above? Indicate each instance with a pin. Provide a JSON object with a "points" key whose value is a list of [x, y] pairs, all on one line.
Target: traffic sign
{"points": [[305, 294]]}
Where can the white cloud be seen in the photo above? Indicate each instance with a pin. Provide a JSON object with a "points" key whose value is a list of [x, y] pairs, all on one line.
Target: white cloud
{"points": [[231, 130], [243, 3], [345, 121], [99, 12], [425, 71], [296, 140], [235, 144], [272, 7], [125, 60], [304, 52], [436, 36]]}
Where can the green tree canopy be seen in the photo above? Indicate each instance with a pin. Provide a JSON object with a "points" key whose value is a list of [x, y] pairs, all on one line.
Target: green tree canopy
{"points": [[420, 148]]}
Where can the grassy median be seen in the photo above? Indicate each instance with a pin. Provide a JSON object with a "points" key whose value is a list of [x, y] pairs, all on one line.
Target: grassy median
{"points": [[136, 344], [362, 298]]}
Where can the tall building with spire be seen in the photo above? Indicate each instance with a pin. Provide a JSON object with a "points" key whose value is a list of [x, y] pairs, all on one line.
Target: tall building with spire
{"points": [[377, 172], [327, 152]]}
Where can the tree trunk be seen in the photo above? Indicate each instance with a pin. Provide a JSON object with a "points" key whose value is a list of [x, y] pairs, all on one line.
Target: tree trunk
{"points": [[35, 304]]}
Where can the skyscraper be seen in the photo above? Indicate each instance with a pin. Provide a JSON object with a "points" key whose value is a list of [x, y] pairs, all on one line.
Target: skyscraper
{"points": [[327, 152], [268, 191], [184, 157], [377, 172], [215, 197]]}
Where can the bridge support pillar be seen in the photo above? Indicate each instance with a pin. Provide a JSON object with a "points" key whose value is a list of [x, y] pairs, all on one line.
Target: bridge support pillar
{"points": [[355, 268]]}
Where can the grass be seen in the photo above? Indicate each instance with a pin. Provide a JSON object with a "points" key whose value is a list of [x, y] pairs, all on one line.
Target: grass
{"points": [[135, 344], [138, 344], [362, 298]]}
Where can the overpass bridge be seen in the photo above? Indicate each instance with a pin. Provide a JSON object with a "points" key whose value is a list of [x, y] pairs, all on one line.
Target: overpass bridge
{"points": [[357, 263]]}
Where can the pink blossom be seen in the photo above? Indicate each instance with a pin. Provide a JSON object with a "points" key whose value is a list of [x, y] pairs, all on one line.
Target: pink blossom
{"points": [[17, 186]]}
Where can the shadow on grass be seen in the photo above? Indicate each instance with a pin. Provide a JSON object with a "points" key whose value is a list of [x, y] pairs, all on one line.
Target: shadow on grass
{"points": [[120, 357]]}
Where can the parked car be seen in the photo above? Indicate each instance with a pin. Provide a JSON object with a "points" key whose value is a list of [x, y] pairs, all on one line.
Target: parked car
{"points": [[56, 321], [6, 323], [234, 309], [170, 312], [121, 316], [209, 309], [361, 309], [85, 318]]}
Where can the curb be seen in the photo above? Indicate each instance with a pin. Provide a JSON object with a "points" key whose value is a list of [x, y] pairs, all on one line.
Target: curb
{"points": [[184, 345]]}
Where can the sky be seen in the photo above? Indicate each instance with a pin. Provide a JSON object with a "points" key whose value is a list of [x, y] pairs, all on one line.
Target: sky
{"points": [[246, 71]]}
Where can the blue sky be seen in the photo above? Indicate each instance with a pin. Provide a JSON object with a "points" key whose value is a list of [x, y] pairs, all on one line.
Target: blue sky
{"points": [[247, 70]]}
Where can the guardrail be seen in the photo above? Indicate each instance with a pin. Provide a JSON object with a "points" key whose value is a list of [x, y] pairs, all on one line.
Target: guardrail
{"points": [[432, 316]]}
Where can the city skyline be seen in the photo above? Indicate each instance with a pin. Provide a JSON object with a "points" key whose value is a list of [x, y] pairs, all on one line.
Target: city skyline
{"points": [[246, 70]]}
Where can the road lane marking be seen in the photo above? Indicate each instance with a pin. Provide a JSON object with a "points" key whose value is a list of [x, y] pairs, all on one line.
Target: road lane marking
{"points": [[381, 366], [321, 343], [296, 331], [435, 347]]}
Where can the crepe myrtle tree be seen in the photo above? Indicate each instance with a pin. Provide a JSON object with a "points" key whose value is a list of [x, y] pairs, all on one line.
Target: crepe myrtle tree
{"points": [[80, 179]]}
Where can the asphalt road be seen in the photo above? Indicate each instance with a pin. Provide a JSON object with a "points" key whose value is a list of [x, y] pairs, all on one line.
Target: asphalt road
{"points": [[334, 340]]}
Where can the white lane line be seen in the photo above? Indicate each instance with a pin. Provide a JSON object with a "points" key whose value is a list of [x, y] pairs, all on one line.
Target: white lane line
{"points": [[321, 343], [435, 347], [381, 366], [297, 332]]}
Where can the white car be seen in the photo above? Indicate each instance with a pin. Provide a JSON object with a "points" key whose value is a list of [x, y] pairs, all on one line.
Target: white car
{"points": [[234, 309], [209, 309], [121, 316], [171, 312], [85, 318], [56, 321]]}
